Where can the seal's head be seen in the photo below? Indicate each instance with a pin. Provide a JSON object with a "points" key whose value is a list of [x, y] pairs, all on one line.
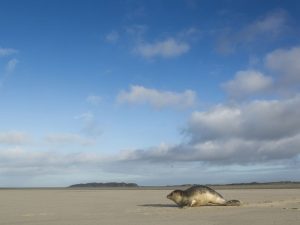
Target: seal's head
{"points": [[176, 196]]}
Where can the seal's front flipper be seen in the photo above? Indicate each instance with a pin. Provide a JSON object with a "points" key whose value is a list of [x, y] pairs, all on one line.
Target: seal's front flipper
{"points": [[233, 203]]}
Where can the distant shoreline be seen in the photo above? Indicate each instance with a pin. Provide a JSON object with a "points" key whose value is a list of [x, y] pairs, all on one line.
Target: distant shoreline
{"points": [[252, 185]]}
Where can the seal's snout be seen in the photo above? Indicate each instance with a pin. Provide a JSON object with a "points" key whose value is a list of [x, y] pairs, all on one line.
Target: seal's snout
{"points": [[169, 196]]}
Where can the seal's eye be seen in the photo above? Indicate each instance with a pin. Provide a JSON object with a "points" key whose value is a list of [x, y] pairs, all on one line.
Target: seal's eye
{"points": [[177, 192]]}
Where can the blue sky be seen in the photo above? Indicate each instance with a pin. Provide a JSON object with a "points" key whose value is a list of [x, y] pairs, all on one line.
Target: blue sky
{"points": [[152, 92]]}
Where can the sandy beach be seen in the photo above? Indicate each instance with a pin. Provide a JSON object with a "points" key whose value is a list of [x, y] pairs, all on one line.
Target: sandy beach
{"points": [[84, 207]]}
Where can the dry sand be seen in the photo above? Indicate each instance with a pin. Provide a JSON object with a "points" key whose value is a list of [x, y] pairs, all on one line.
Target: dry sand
{"points": [[138, 207]]}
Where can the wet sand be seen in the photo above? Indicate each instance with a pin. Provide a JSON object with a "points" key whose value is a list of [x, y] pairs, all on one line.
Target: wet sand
{"points": [[138, 207]]}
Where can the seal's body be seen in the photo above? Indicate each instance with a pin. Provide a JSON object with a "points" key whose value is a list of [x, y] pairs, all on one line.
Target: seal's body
{"points": [[199, 195]]}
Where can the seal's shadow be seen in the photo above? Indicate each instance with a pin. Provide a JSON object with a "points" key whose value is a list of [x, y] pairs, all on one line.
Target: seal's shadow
{"points": [[159, 205]]}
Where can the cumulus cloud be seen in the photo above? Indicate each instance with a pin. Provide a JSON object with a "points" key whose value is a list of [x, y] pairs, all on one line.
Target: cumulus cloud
{"points": [[256, 132], [14, 138], [166, 49], [282, 64], [271, 25], [260, 119], [158, 99], [247, 82], [68, 138], [285, 63], [7, 51]]}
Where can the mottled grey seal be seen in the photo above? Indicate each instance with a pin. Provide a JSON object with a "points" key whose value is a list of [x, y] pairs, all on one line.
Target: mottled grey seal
{"points": [[199, 195]]}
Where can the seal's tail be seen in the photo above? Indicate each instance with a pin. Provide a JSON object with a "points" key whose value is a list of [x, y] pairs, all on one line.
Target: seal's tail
{"points": [[233, 203]]}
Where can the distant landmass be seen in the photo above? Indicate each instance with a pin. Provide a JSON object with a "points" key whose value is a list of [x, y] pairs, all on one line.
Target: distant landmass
{"points": [[279, 184], [263, 183], [249, 183], [110, 184]]}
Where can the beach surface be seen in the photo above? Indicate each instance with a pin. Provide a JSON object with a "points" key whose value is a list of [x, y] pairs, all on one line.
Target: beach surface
{"points": [[138, 207]]}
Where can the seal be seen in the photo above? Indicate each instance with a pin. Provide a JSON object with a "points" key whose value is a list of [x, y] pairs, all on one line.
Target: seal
{"points": [[199, 195]]}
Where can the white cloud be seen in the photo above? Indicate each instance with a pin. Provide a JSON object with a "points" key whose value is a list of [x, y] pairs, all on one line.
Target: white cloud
{"points": [[189, 34], [223, 151], [21, 167], [112, 37], [86, 116], [14, 138], [282, 64], [272, 24], [11, 65], [47, 158], [7, 51], [285, 63], [158, 99], [90, 125], [94, 99], [136, 31], [166, 49], [268, 27], [220, 122], [247, 82], [68, 138], [264, 119], [22, 159]]}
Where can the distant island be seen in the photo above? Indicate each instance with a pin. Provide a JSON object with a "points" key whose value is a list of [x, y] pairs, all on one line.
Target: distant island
{"points": [[109, 184]]}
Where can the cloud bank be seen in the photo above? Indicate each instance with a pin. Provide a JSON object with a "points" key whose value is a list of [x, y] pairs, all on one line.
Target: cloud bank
{"points": [[14, 138], [68, 138], [252, 133]]}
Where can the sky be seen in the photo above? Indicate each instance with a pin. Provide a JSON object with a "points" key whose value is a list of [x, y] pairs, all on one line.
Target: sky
{"points": [[151, 92]]}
